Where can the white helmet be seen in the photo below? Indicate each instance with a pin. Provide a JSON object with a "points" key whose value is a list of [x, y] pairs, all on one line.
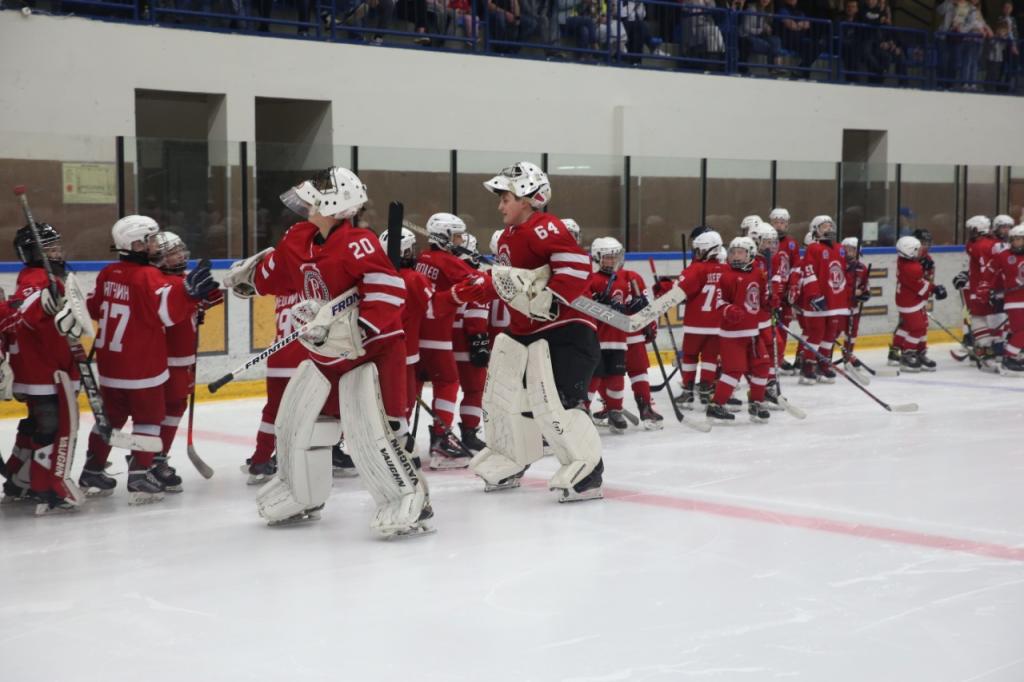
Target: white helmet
{"points": [[468, 251], [808, 239], [441, 227], [1016, 233], [822, 227], [979, 225], [765, 237], [573, 227], [707, 244], [749, 223], [494, 241], [908, 247], [131, 229], [852, 246], [523, 179], [1002, 219], [334, 192], [779, 214], [606, 246], [744, 246], [170, 253], [407, 244]]}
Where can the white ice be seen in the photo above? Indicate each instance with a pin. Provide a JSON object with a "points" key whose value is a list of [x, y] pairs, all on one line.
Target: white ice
{"points": [[857, 545]]}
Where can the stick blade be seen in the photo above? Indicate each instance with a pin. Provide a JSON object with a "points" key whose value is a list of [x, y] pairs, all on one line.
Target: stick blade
{"points": [[202, 467], [792, 409], [702, 426], [905, 407]]}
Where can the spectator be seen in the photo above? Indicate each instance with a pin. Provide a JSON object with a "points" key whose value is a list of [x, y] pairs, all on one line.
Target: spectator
{"points": [[874, 58], [504, 22], [638, 33], [611, 32], [997, 55], [701, 37], [578, 20], [460, 17], [534, 21], [978, 32], [756, 35], [795, 32], [415, 12], [849, 41]]}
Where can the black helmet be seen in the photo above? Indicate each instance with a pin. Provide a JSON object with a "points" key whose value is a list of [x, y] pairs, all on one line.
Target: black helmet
{"points": [[698, 230], [923, 236], [25, 244]]}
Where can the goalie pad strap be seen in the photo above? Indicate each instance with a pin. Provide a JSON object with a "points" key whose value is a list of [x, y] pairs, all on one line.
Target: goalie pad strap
{"points": [[513, 441]]}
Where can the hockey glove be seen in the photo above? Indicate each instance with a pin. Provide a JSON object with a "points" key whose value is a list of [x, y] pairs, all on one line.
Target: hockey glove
{"points": [[651, 332], [663, 285], [200, 283], [477, 289], [51, 306], [732, 314], [961, 279], [818, 303], [67, 325], [635, 305], [479, 350], [863, 296], [927, 264], [995, 300], [940, 292], [602, 298], [212, 299]]}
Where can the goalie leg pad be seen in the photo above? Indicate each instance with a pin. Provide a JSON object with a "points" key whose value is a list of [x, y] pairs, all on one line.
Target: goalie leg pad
{"points": [[513, 441], [304, 442], [570, 432], [67, 435], [401, 495]]}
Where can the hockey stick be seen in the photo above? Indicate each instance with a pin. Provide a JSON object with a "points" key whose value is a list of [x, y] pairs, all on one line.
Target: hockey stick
{"points": [[906, 407], [967, 323], [657, 387], [202, 467], [338, 304], [668, 323], [396, 211], [446, 430], [114, 437], [970, 351]]}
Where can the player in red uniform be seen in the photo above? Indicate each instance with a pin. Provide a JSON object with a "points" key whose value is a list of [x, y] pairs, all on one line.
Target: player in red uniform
{"points": [[45, 377], [608, 286], [540, 271], [637, 361], [1001, 226], [787, 259], [984, 320], [766, 240], [1006, 292], [472, 345], [356, 374], [822, 299], [443, 269], [702, 318], [913, 289], [857, 292], [134, 303], [744, 293]]}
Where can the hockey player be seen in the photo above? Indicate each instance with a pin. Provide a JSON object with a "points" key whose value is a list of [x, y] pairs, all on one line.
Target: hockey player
{"points": [[134, 303], [1006, 292], [702, 317], [858, 292], [766, 240], [1001, 226], [610, 287], [500, 316], [357, 359], [171, 256], [744, 292], [443, 269], [45, 378], [822, 299], [471, 343], [540, 271], [574, 228], [637, 360], [748, 223], [786, 260], [912, 293], [984, 320]]}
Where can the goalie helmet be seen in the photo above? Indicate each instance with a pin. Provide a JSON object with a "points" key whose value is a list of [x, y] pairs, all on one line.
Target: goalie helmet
{"points": [[525, 181], [852, 247], [1001, 225], [741, 253], [494, 241], [407, 246], [748, 224], [335, 192], [573, 227], [133, 229], [169, 253], [978, 225], [823, 229], [1016, 237], [707, 245], [765, 238], [442, 228], [778, 215], [908, 247], [607, 248], [49, 237]]}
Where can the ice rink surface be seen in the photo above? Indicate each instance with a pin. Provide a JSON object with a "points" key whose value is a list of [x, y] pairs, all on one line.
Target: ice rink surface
{"points": [[856, 545]]}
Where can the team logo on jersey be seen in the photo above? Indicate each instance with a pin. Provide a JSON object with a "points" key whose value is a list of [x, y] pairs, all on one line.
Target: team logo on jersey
{"points": [[752, 299], [824, 254], [836, 277], [313, 284], [504, 256], [1011, 260], [784, 265]]}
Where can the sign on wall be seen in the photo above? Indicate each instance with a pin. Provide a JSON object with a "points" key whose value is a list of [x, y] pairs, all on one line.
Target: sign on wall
{"points": [[90, 183]]}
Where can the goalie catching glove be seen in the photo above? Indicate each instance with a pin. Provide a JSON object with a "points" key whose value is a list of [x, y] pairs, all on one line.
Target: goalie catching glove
{"points": [[337, 335], [526, 291], [241, 274]]}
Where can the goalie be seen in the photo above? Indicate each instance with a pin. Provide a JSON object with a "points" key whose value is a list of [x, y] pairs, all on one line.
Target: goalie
{"points": [[540, 269], [356, 377]]}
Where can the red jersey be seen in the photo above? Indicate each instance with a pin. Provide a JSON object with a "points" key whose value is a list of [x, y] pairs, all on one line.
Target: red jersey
{"points": [[787, 258], [824, 274], [979, 269], [912, 287], [499, 317], [181, 339], [282, 364], [135, 304], [856, 282], [544, 240], [637, 287], [37, 349], [418, 291], [443, 270], [619, 293], [747, 293], [319, 268], [700, 281], [1008, 276]]}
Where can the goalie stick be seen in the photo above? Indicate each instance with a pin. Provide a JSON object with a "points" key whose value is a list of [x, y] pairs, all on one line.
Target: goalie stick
{"points": [[906, 407], [202, 467], [114, 437], [338, 304]]}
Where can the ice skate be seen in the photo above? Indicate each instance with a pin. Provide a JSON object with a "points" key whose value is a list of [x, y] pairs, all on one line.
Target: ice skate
{"points": [[651, 420], [758, 412], [894, 357], [734, 405], [685, 400], [14, 494], [909, 361], [787, 369], [717, 414], [705, 390], [143, 487], [53, 504], [587, 489], [96, 483], [311, 514], [600, 418], [808, 374], [445, 454], [826, 374], [166, 474], [470, 438], [617, 421], [341, 462], [513, 481], [927, 364], [1010, 367], [771, 396], [259, 472]]}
